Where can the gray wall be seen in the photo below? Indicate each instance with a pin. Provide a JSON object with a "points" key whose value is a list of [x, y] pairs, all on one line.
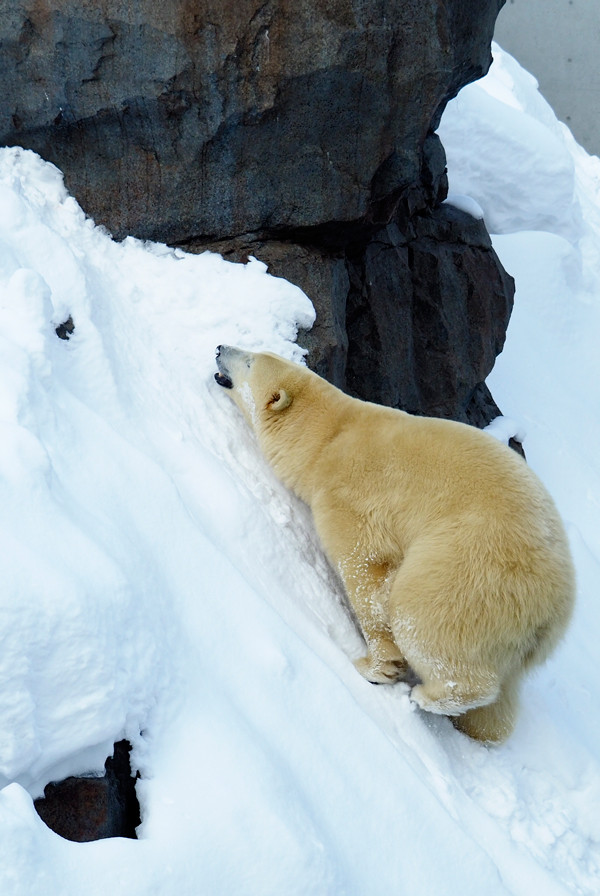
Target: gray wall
{"points": [[558, 41]]}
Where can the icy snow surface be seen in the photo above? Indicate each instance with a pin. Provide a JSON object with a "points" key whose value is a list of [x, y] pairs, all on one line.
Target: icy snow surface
{"points": [[159, 584]]}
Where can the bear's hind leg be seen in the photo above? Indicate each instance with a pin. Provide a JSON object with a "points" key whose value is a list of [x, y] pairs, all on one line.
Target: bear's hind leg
{"points": [[493, 723], [435, 620], [452, 694]]}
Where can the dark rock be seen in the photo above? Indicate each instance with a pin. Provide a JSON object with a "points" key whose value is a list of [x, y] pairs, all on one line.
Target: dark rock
{"points": [[411, 318], [173, 120], [94, 808], [426, 316], [322, 275], [461, 304]]}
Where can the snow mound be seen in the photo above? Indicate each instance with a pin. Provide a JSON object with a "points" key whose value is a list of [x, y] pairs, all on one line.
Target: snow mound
{"points": [[520, 171]]}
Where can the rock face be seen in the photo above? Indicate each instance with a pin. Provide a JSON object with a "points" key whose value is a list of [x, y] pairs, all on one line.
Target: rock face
{"points": [[411, 314], [301, 132], [426, 316], [84, 809], [214, 118]]}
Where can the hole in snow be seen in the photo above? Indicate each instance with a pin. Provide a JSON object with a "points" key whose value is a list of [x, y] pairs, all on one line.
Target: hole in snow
{"points": [[64, 330]]}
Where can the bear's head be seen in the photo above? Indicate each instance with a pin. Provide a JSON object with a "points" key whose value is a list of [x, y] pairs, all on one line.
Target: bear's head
{"points": [[261, 384], [292, 411]]}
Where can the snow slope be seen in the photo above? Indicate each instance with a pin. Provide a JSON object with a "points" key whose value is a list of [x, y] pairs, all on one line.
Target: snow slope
{"points": [[161, 585]]}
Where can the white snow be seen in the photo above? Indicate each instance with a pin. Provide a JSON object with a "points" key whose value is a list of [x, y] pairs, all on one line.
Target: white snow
{"points": [[466, 204], [159, 584]]}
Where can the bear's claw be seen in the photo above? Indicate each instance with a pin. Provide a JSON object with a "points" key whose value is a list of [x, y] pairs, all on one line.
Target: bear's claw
{"points": [[379, 672]]}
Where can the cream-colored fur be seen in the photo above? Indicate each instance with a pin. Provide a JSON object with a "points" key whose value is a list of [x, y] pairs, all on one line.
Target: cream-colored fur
{"points": [[451, 551]]}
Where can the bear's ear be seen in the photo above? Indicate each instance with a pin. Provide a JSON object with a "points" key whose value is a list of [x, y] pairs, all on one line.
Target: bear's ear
{"points": [[280, 400]]}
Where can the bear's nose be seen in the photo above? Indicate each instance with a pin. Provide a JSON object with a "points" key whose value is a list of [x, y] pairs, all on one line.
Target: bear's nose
{"points": [[219, 347]]}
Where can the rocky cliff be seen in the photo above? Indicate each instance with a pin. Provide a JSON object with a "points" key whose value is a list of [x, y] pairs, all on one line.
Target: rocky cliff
{"points": [[301, 132]]}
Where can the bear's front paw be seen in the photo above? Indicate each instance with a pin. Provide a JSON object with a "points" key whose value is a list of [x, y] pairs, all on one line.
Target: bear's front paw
{"points": [[380, 671]]}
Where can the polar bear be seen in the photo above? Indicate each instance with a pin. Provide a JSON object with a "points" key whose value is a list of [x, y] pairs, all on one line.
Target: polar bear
{"points": [[452, 553]]}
